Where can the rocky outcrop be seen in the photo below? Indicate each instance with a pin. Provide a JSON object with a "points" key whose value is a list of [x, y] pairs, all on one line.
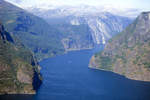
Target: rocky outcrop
{"points": [[17, 67], [129, 52]]}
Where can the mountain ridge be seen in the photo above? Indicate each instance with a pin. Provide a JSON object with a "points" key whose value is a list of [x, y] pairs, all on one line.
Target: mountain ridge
{"points": [[128, 53]]}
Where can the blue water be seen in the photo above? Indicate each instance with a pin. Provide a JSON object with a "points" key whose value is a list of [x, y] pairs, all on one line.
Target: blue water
{"points": [[67, 77]]}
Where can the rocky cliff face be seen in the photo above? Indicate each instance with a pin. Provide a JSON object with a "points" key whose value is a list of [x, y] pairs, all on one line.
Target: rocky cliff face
{"points": [[19, 71], [129, 52], [102, 25]]}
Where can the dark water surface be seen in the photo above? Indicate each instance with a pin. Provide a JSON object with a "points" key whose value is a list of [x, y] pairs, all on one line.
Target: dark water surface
{"points": [[67, 77]]}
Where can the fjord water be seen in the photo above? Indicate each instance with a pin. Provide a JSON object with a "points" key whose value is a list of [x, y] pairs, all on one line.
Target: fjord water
{"points": [[67, 77]]}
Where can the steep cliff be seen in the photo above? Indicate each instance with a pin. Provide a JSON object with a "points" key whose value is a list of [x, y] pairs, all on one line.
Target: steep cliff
{"points": [[19, 71], [129, 52]]}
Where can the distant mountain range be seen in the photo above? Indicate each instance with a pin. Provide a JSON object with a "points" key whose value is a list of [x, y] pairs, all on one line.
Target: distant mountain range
{"points": [[85, 10], [103, 25], [128, 53], [82, 8]]}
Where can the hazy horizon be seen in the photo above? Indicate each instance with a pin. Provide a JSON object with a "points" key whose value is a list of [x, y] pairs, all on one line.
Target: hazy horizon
{"points": [[120, 4]]}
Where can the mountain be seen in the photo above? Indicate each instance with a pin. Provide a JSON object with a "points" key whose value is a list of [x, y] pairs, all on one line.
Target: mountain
{"points": [[45, 40], [33, 31], [60, 30], [128, 53], [19, 71], [102, 25]]}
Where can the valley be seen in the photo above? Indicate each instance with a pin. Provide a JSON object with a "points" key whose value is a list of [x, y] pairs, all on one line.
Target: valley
{"points": [[73, 52]]}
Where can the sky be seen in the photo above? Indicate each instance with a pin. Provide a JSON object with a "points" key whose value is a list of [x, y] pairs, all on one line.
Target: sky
{"points": [[137, 4]]}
